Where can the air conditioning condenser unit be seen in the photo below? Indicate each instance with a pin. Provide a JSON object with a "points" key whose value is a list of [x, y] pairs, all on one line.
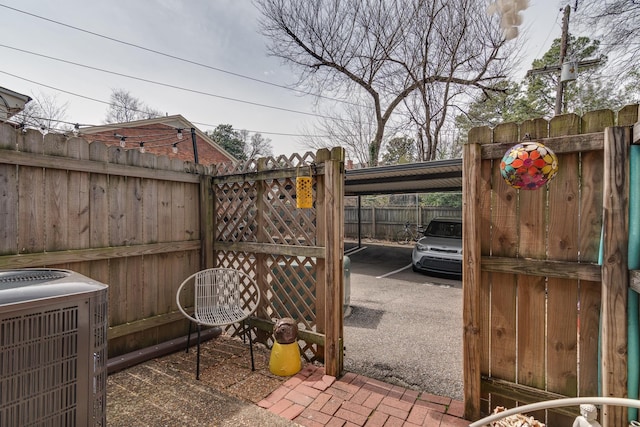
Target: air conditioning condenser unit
{"points": [[53, 349]]}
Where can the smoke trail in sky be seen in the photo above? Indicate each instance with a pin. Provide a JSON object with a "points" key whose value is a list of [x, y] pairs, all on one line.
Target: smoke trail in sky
{"points": [[510, 17]]}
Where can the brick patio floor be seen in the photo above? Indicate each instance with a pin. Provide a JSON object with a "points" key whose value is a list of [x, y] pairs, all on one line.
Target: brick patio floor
{"points": [[164, 392], [312, 399]]}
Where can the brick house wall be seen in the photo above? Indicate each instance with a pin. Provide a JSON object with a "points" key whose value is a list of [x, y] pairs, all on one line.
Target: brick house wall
{"points": [[158, 138]]}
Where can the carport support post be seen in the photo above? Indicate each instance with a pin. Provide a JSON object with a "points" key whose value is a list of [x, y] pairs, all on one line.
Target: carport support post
{"points": [[359, 221], [471, 278], [333, 231]]}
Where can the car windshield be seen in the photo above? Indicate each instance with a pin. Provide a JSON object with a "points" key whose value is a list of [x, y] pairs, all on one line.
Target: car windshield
{"points": [[451, 230]]}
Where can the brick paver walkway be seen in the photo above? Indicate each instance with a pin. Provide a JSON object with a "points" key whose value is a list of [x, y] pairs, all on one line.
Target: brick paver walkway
{"points": [[313, 399]]}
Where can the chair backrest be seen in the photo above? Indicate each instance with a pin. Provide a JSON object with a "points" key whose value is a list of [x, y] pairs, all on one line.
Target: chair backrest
{"points": [[222, 296]]}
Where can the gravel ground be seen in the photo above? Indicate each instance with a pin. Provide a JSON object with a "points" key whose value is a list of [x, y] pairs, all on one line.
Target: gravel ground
{"points": [[163, 392], [406, 333]]}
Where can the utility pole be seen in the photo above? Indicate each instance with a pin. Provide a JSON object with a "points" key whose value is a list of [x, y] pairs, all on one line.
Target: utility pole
{"points": [[564, 41]]}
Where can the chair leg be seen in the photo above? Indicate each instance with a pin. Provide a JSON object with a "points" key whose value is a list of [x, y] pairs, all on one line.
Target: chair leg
{"points": [[248, 330], [244, 333], [198, 356], [188, 338]]}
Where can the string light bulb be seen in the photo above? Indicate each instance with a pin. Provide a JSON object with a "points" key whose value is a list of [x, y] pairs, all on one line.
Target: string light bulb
{"points": [[142, 150], [179, 134], [174, 148], [123, 142]]}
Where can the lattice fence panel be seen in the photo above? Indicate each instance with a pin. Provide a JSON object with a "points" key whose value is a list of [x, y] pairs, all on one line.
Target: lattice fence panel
{"points": [[271, 163], [310, 351], [243, 261], [236, 212], [246, 263], [293, 289], [283, 222], [288, 282]]}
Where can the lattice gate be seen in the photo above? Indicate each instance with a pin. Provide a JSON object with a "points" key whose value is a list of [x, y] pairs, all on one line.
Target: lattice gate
{"points": [[295, 255]]}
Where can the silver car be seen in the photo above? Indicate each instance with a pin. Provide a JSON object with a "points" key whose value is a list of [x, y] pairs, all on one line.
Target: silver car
{"points": [[440, 250]]}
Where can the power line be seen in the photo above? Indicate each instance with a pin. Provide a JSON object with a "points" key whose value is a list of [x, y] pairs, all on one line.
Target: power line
{"points": [[547, 38], [64, 91], [114, 126], [199, 92], [177, 58]]}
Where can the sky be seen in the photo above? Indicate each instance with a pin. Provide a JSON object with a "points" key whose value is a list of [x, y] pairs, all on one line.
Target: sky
{"points": [[221, 34]]}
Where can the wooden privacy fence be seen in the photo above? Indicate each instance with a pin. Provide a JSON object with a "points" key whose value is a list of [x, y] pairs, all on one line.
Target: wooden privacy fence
{"points": [[534, 294], [142, 223], [385, 222], [127, 219]]}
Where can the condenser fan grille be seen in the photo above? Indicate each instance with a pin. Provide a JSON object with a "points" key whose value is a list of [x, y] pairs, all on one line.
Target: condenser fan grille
{"points": [[27, 278]]}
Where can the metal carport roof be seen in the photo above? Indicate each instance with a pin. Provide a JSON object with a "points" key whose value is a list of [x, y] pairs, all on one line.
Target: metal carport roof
{"points": [[423, 177]]}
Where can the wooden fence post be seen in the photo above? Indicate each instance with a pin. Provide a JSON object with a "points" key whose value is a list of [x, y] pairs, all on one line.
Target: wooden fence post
{"points": [[261, 259], [471, 279], [207, 224], [615, 275], [334, 250]]}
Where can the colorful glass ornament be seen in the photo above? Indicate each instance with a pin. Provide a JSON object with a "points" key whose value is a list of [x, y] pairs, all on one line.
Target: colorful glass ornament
{"points": [[528, 166]]}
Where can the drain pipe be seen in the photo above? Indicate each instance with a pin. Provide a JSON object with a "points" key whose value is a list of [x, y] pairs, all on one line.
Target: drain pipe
{"points": [[195, 145], [128, 360]]}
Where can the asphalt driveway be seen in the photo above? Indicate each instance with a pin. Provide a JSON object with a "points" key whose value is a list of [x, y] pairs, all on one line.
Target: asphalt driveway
{"points": [[405, 328]]}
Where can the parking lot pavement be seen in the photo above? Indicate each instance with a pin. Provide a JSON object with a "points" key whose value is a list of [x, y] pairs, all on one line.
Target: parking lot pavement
{"points": [[404, 328], [393, 261]]}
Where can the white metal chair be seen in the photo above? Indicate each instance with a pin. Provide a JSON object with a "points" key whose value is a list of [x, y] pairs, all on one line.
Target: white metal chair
{"points": [[222, 296], [558, 403]]}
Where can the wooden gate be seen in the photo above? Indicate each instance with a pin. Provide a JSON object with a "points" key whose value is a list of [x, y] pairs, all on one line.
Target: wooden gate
{"points": [[294, 254], [534, 293]]}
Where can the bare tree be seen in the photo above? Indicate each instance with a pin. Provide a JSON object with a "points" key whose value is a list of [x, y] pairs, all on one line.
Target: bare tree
{"points": [[353, 127], [616, 23], [451, 148], [427, 110], [258, 146], [428, 107], [239, 144], [125, 107], [44, 112], [387, 48]]}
